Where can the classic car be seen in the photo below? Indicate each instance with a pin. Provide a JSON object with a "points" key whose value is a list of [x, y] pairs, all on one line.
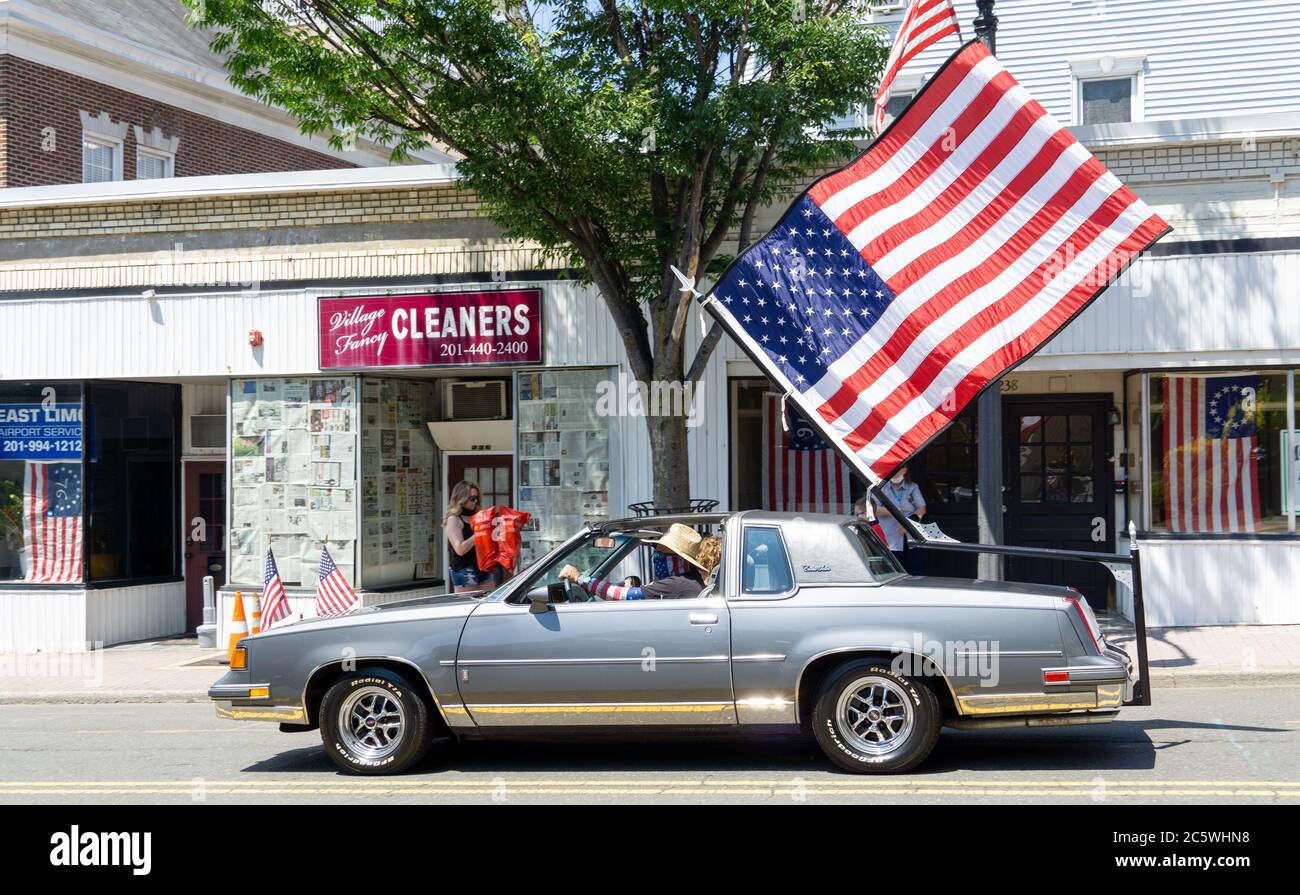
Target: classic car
{"points": [[806, 622]]}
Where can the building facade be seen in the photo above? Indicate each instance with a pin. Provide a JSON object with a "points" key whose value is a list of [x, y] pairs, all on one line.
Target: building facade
{"points": [[100, 92], [183, 333]]}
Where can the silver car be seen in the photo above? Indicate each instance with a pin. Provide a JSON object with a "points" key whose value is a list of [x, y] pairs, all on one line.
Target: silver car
{"points": [[807, 622]]}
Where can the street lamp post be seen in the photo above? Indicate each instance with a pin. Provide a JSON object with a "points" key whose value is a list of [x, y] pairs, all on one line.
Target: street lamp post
{"points": [[989, 485]]}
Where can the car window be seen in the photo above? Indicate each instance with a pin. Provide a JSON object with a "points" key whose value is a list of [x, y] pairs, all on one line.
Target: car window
{"points": [[593, 555], [880, 560], [766, 565]]}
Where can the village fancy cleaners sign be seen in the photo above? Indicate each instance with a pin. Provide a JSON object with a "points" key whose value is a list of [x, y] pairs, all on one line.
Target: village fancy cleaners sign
{"points": [[438, 330]]}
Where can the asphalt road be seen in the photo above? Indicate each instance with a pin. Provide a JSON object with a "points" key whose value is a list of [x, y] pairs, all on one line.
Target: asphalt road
{"points": [[1194, 745]]}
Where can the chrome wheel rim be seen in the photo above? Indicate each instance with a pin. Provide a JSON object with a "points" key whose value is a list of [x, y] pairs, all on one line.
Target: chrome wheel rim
{"points": [[874, 714], [371, 723]]}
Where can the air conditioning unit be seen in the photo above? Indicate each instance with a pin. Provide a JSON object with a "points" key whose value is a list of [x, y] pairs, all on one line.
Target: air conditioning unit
{"points": [[469, 400], [206, 433]]}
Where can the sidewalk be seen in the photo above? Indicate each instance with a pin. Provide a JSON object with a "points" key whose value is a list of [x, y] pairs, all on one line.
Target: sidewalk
{"points": [[170, 670], [1229, 655], [176, 670]]}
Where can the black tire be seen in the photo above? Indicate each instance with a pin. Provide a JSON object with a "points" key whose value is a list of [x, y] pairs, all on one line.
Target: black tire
{"points": [[391, 694], [872, 752]]}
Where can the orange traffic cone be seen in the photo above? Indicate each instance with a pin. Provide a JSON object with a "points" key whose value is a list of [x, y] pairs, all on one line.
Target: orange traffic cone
{"points": [[255, 613], [238, 626]]}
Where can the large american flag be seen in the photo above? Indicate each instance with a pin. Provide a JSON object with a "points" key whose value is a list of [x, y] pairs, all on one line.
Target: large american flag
{"points": [[801, 472], [275, 603], [52, 528], [1210, 466], [925, 23], [334, 596], [959, 242]]}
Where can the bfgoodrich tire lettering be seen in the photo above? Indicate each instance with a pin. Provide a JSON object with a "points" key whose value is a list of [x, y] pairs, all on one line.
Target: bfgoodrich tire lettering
{"points": [[870, 720], [374, 722]]}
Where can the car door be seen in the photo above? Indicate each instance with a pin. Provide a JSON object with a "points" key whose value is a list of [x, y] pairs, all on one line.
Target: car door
{"points": [[663, 662]]}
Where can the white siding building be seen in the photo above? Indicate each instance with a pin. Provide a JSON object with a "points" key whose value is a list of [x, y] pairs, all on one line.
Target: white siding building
{"points": [[182, 322]]}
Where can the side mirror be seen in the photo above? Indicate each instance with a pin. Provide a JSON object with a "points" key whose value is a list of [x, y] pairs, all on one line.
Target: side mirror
{"points": [[541, 598]]}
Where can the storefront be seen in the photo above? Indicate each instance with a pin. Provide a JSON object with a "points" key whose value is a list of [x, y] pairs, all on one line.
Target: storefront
{"points": [[219, 421], [89, 512], [415, 390]]}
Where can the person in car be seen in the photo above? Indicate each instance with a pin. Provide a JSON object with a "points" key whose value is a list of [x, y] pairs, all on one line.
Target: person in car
{"points": [[700, 553]]}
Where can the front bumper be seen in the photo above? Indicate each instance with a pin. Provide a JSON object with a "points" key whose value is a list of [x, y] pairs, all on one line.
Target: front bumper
{"points": [[234, 699]]}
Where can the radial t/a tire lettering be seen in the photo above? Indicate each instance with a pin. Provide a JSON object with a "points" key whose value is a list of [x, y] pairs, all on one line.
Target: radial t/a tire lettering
{"points": [[374, 722], [870, 720]]}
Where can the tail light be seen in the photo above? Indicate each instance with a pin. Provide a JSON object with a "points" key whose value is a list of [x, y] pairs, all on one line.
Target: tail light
{"points": [[1089, 619]]}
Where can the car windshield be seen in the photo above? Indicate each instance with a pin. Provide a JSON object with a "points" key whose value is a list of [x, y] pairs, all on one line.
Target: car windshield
{"points": [[594, 553]]}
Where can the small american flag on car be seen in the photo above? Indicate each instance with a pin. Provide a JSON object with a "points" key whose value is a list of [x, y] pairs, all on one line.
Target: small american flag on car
{"points": [[895, 289], [334, 596], [275, 603]]}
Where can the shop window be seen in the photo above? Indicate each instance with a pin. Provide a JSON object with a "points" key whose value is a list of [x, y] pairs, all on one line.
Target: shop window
{"points": [[41, 494], [1219, 444], [787, 468], [399, 518], [293, 476], [562, 455], [132, 470]]}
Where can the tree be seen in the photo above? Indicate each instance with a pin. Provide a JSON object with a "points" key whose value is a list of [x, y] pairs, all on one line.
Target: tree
{"points": [[624, 136]]}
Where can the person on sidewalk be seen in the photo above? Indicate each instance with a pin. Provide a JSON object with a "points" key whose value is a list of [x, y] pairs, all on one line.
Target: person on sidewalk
{"points": [[461, 556], [906, 495], [700, 553]]}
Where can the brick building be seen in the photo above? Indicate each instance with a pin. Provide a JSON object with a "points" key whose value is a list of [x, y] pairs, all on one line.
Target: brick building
{"points": [[95, 92]]}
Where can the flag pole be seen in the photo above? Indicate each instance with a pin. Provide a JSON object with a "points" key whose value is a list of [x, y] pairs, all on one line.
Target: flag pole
{"points": [[988, 501]]}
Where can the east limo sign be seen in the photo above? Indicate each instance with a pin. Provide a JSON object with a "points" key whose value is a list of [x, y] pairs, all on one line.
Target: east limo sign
{"points": [[443, 329]]}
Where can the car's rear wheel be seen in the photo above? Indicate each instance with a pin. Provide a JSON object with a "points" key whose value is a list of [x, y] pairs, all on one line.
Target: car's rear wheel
{"points": [[375, 722], [870, 720]]}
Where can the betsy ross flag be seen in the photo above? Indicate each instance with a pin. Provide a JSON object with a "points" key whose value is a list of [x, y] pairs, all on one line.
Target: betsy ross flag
{"points": [[666, 566], [960, 241], [801, 472], [52, 522], [275, 603], [334, 596], [1210, 464], [925, 23]]}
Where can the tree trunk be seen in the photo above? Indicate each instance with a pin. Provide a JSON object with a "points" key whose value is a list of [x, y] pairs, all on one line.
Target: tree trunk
{"points": [[670, 461]]}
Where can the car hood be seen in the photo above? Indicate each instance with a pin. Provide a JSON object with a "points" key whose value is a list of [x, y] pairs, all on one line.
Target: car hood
{"points": [[434, 606]]}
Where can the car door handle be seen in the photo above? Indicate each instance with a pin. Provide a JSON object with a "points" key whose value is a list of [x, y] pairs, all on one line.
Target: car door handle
{"points": [[704, 618]]}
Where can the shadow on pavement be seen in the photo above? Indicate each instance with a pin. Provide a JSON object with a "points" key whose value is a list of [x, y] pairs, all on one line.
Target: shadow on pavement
{"points": [[1120, 745]]}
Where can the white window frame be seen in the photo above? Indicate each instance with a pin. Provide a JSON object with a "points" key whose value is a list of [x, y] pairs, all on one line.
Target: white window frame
{"points": [[1109, 68], [167, 158], [104, 142], [103, 131]]}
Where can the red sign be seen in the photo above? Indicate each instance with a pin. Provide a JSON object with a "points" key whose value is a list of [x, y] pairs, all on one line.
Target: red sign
{"points": [[444, 329]]}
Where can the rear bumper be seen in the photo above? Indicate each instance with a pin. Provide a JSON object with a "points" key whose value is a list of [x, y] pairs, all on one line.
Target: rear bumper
{"points": [[1105, 683]]}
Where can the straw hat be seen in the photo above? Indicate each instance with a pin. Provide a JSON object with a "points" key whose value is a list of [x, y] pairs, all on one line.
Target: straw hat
{"points": [[683, 541]]}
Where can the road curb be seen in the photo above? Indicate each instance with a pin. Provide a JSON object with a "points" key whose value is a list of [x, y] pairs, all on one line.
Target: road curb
{"points": [[104, 697], [1193, 679]]}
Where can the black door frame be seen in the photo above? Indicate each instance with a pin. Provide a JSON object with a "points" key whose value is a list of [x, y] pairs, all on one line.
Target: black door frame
{"points": [[1099, 404]]}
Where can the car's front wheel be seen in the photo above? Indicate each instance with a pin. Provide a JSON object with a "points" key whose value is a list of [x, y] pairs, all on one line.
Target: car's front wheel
{"points": [[870, 720], [374, 722]]}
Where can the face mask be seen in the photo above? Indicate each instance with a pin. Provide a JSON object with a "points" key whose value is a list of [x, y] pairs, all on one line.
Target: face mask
{"points": [[897, 480]]}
